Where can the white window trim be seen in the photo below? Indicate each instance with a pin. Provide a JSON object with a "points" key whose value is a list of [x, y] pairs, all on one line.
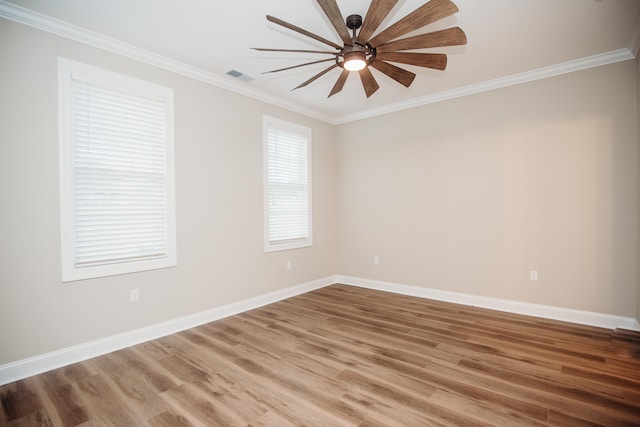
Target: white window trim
{"points": [[302, 130], [67, 69]]}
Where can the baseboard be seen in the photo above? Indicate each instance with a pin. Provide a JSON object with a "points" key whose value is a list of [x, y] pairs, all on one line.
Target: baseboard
{"points": [[36, 365], [46, 362], [537, 310]]}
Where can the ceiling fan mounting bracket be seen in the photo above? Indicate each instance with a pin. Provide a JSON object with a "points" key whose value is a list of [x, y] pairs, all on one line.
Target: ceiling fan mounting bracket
{"points": [[354, 22]]}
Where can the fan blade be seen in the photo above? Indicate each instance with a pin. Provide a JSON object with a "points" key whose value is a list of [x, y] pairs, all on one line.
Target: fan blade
{"points": [[300, 65], [449, 37], [331, 9], [436, 61], [317, 76], [426, 14], [302, 31], [368, 81], [398, 74], [339, 83], [378, 10], [261, 49]]}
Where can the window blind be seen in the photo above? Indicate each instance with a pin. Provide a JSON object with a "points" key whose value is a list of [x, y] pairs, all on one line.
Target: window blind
{"points": [[288, 201], [118, 176]]}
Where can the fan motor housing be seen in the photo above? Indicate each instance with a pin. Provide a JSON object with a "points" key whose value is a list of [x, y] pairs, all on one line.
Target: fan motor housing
{"points": [[367, 51]]}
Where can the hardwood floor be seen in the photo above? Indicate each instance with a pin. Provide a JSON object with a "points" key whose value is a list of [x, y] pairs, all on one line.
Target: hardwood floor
{"points": [[346, 356]]}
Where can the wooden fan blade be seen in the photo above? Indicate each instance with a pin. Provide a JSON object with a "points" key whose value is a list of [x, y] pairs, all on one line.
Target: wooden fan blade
{"points": [[302, 31], [317, 76], [339, 83], [331, 9], [398, 74], [426, 14], [378, 10], [262, 49], [300, 65], [368, 81], [436, 61], [449, 37]]}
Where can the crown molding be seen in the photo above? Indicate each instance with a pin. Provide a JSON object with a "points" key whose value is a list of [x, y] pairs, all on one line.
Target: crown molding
{"points": [[81, 35], [489, 85], [64, 29]]}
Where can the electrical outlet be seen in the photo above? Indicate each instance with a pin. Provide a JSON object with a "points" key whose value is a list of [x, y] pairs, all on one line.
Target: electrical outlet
{"points": [[135, 295], [289, 265], [533, 275], [376, 259]]}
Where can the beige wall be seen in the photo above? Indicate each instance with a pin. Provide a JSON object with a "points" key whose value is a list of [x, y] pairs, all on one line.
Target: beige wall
{"points": [[470, 194], [219, 206], [638, 264], [466, 195]]}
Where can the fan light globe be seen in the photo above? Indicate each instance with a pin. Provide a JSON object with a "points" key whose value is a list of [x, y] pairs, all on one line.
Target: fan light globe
{"points": [[355, 61]]}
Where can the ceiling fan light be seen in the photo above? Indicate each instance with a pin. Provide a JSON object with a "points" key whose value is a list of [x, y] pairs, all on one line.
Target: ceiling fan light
{"points": [[355, 61]]}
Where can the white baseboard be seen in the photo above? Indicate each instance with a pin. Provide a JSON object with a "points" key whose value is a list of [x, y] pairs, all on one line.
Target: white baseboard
{"points": [[36, 365], [46, 362], [537, 310]]}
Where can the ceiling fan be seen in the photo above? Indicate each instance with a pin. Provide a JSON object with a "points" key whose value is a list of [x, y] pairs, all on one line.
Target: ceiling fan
{"points": [[360, 50]]}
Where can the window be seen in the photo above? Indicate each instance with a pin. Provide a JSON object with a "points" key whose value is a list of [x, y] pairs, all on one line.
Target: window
{"points": [[116, 173], [287, 166]]}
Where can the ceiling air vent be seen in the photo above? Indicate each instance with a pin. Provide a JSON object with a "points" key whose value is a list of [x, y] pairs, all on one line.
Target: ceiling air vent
{"points": [[239, 75]]}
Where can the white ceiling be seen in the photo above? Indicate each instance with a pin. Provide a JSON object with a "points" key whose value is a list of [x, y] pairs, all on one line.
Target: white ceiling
{"points": [[509, 41]]}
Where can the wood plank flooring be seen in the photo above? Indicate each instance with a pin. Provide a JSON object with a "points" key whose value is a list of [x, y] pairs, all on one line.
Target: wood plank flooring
{"points": [[346, 356]]}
